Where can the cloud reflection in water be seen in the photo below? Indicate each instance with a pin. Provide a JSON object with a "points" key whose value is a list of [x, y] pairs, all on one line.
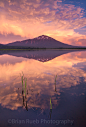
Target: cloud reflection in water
{"points": [[40, 80]]}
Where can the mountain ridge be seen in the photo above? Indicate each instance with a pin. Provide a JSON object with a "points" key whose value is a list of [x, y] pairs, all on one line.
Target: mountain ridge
{"points": [[42, 41]]}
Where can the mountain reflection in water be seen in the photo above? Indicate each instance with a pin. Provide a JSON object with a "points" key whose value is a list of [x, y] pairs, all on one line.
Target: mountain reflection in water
{"points": [[46, 81], [40, 55]]}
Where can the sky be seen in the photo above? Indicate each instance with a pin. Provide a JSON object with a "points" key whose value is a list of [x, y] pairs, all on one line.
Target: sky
{"points": [[63, 20]]}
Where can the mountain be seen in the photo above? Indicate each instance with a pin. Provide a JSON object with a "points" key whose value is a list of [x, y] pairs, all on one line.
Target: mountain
{"points": [[1, 45], [41, 42]]}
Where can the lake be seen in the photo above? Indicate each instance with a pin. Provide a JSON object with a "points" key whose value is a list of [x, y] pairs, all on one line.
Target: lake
{"points": [[43, 88]]}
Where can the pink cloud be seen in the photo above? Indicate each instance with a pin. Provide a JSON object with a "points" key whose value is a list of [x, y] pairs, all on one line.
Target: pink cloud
{"points": [[78, 41], [29, 18]]}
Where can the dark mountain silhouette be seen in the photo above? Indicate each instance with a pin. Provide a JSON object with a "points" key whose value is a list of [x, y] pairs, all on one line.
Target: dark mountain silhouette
{"points": [[1, 46], [41, 42]]}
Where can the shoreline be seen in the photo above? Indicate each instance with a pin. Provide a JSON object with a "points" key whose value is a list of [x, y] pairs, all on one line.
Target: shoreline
{"points": [[29, 49]]}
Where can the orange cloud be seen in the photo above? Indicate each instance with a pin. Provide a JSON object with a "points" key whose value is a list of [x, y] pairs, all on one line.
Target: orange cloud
{"points": [[1, 4], [30, 19]]}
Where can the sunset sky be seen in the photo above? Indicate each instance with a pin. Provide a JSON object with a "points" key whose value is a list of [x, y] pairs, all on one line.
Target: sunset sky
{"points": [[64, 20]]}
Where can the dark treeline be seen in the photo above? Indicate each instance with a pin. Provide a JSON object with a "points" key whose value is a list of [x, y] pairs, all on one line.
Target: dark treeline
{"points": [[32, 48], [18, 47]]}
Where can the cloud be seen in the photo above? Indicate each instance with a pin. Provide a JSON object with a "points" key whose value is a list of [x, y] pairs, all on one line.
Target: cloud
{"points": [[7, 38], [1, 4], [30, 18]]}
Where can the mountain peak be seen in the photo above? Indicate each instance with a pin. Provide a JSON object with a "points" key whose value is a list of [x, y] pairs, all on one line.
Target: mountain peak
{"points": [[43, 37]]}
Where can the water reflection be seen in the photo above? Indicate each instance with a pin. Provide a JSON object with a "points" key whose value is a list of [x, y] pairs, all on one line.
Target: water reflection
{"points": [[44, 81], [24, 100], [50, 108], [40, 55]]}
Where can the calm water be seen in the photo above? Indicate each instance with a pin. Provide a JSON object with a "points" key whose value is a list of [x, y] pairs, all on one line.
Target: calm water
{"points": [[55, 90]]}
